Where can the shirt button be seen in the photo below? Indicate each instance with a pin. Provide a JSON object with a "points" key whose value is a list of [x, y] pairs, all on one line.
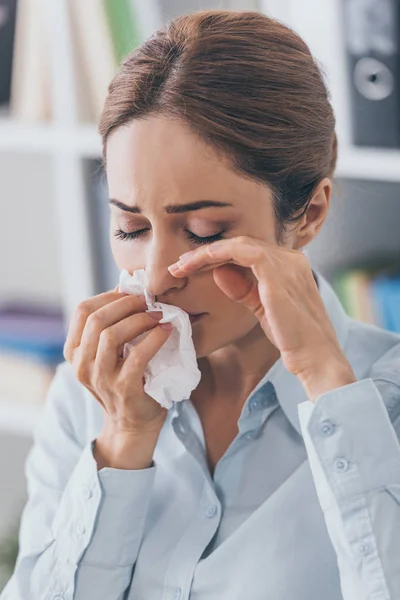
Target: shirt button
{"points": [[80, 528], [211, 510], [340, 465], [177, 594], [327, 427], [58, 597], [255, 403], [250, 435], [364, 549], [87, 492]]}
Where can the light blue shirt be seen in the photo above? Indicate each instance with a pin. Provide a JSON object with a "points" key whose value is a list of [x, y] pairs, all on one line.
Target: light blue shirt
{"points": [[304, 504]]}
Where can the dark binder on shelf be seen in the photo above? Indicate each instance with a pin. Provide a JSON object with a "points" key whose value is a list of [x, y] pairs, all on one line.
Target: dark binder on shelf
{"points": [[8, 11], [372, 38]]}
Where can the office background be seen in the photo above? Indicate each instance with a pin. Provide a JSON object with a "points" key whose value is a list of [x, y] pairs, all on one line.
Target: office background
{"points": [[54, 252]]}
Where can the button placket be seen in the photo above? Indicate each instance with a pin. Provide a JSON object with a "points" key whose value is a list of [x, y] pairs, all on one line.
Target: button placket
{"points": [[80, 528], [86, 492]]}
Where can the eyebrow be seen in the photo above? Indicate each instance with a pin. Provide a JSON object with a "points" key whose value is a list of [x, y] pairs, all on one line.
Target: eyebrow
{"points": [[174, 208]]}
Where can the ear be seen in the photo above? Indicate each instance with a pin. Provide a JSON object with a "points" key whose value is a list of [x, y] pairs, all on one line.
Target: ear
{"points": [[317, 211]]}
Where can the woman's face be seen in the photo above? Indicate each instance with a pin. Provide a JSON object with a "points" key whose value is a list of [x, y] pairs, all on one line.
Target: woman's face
{"points": [[155, 167]]}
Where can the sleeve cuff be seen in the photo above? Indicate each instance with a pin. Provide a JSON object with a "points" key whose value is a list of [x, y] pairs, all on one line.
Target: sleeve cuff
{"points": [[350, 440], [90, 523]]}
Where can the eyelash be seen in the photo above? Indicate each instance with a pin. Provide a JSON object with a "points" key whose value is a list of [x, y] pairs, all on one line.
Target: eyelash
{"points": [[131, 235]]}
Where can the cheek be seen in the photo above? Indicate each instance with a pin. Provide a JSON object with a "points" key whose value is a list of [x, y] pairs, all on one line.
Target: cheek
{"points": [[124, 256]]}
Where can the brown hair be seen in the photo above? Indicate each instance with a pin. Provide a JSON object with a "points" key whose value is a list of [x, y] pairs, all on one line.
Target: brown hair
{"points": [[247, 85]]}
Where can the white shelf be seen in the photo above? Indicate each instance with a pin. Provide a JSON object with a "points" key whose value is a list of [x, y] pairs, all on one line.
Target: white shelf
{"points": [[369, 163], [22, 137], [17, 418], [85, 141]]}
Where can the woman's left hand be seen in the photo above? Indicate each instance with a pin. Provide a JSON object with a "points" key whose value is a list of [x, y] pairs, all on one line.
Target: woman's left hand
{"points": [[278, 286]]}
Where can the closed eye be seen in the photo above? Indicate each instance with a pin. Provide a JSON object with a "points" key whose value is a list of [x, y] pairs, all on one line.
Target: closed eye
{"points": [[132, 235]]}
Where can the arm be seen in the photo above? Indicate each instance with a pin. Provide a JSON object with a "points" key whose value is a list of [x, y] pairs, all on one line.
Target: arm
{"points": [[354, 456], [73, 540]]}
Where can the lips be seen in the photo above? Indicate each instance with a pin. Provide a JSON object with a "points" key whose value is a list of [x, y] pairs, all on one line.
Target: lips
{"points": [[194, 318]]}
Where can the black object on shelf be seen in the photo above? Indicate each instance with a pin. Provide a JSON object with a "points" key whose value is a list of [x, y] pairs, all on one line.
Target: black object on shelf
{"points": [[8, 12], [372, 36]]}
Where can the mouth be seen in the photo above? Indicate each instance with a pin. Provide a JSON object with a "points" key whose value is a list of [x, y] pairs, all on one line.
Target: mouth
{"points": [[196, 317]]}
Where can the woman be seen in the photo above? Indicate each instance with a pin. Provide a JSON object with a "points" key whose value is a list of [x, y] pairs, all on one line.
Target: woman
{"points": [[280, 477]]}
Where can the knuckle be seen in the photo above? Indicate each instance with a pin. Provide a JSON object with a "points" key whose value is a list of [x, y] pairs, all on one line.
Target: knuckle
{"points": [[241, 239], [81, 371], [259, 254], [83, 308], [94, 320], [108, 336], [136, 361]]}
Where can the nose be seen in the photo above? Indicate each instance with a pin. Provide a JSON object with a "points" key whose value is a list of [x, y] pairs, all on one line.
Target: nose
{"points": [[158, 279]]}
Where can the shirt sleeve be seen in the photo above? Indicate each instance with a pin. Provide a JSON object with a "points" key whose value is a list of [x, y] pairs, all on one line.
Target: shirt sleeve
{"points": [[354, 456], [74, 542]]}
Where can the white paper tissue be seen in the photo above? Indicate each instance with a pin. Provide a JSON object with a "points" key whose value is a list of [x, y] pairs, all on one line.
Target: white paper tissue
{"points": [[172, 373]]}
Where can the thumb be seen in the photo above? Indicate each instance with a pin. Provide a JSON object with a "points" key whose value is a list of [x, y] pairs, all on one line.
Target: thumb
{"points": [[239, 284]]}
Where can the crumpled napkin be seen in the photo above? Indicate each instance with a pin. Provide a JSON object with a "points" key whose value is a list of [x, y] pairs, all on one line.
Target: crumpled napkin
{"points": [[172, 373]]}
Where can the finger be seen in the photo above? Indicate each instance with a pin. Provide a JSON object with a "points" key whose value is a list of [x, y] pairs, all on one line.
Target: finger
{"points": [[193, 268], [104, 318], [242, 251], [111, 342], [80, 316], [141, 354]]}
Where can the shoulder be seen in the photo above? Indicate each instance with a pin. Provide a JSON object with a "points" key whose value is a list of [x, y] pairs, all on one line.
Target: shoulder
{"points": [[385, 373], [374, 353]]}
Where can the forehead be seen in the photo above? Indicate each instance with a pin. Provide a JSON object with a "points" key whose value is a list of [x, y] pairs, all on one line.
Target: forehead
{"points": [[159, 159]]}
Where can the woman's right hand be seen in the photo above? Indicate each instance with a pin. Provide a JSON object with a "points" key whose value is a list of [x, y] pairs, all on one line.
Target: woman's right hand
{"points": [[98, 330]]}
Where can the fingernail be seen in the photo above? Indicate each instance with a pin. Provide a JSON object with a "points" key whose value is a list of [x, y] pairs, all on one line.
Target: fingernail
{"points": [[166, 326], [174, 267], [156, 314]]}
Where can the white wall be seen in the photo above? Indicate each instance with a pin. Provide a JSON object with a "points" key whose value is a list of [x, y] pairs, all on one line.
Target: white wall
{"points": [[28, 236]]}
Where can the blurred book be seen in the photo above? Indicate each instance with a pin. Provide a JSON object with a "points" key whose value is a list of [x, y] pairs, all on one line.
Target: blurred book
{"points": [[371, 293], [8, 14], [91, 33], [101, 34], [124, 26], [30, 97], [32, 340], [105, 269]]}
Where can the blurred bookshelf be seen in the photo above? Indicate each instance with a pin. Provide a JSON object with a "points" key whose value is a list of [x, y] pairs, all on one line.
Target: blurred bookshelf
{"points": [[54, 115], [56, 90]]}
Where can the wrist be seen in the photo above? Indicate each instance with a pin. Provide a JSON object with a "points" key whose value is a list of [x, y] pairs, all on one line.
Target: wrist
{"points": [[325, 377], [125, 450]]}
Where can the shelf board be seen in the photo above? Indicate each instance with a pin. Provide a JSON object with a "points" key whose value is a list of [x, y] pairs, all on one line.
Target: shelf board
{"points": [[369, 163], [46, 138], [85, 141], [17, 418]]}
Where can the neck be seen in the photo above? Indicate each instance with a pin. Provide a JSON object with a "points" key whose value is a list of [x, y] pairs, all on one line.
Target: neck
{"points": [[229, 374]]}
